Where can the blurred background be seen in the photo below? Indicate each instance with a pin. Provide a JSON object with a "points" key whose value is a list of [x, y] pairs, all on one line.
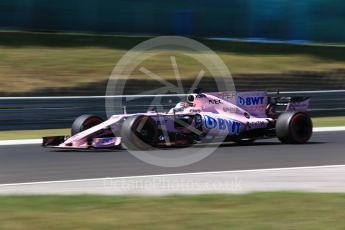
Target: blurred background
{"points": [[313, 20], [69, 48]]}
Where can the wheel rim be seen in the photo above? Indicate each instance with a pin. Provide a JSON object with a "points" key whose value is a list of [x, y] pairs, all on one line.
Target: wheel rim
{"points": [[145, 130], [91, 123], [301, 128]]}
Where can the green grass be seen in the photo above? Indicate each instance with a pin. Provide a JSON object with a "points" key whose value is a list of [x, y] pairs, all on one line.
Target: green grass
{"points": [[33, 134], [249, 211], [29, 61], [328, 121]]}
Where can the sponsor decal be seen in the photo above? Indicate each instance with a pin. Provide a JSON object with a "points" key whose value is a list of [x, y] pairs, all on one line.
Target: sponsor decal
{"points": [[107, 140], [195, 110], [198, 122], [214, 101], [233, 127], [256, 124], [251, 100], [231, 110], [227, 96]]}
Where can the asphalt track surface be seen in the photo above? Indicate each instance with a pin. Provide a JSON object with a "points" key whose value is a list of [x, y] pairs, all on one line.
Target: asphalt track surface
{"points": [[32, 163]]}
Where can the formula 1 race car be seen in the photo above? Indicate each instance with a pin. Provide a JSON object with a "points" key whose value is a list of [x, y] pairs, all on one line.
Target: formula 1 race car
{"points": [[240, 117]]}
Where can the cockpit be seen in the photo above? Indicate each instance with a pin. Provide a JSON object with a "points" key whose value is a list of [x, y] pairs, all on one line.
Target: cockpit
{"points": [[180, 107]]}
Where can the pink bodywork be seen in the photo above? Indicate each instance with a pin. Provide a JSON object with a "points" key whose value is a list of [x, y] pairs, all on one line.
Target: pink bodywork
{"points": [[222, 114]]}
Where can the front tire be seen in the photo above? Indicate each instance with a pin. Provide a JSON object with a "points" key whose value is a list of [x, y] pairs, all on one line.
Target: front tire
{"points": [[85, 122], [294, 127], [139, 133]]}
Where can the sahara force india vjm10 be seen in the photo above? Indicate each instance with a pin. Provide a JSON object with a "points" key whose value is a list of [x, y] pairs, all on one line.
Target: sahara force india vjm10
{"points": [[240, 117]]}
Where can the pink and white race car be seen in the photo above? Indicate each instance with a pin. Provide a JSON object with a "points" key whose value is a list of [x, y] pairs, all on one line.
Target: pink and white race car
{"points": [[240, 117]]}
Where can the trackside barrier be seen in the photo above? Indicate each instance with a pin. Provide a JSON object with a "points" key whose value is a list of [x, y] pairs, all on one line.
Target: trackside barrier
{"points": [[19, 113]]}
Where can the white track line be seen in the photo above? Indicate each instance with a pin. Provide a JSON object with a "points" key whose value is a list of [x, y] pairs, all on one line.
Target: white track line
{"points": [[329, 129], [39, 141], [175, 174], [21, 142]]}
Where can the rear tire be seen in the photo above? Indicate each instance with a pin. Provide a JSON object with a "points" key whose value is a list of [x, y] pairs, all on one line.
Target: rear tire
{"points": [[294, 127], [139, 133], [85, 122]]}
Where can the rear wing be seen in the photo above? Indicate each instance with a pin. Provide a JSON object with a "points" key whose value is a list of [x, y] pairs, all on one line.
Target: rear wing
{"points": [[291, 103]]}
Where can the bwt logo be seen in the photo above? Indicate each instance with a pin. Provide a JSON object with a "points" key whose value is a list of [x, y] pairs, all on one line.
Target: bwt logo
{"points": [[233, 127], [251, 101]]}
